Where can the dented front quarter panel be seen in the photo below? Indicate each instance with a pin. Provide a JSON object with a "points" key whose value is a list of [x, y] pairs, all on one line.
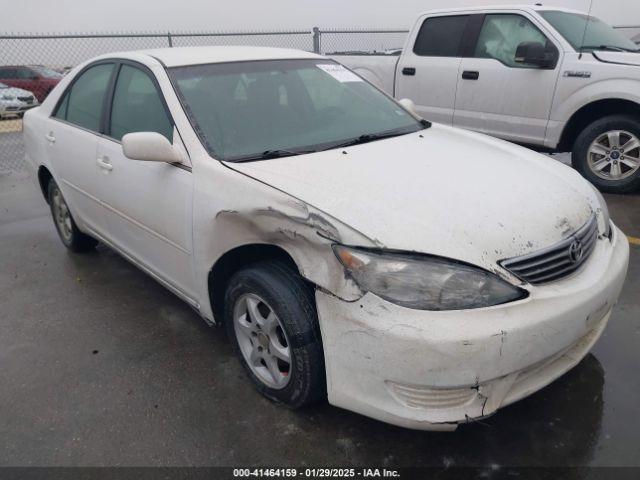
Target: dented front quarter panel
{"points": [[232, 210]]}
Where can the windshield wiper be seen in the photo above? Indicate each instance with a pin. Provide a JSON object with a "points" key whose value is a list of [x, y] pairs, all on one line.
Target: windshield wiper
{"points": [[269, 154], [365, 138], [611, 48]]}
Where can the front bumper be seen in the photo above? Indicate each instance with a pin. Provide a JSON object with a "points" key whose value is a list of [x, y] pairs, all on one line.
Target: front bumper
{"points": [[434, 370], [14, 108]]}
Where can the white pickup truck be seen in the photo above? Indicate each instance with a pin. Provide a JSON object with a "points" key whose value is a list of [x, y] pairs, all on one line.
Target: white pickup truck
{"points": [[554, 79]]}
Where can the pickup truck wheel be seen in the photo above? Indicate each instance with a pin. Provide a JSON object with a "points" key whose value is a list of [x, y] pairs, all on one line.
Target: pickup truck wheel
{"points": [[68, 231], [607, 153], [270, 317]]}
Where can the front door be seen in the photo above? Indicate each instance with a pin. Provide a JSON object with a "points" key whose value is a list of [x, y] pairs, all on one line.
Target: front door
{"points": [[148, 205], [496, 94]]}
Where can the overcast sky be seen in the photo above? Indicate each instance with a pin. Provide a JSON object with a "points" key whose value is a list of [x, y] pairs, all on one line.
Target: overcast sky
{"points": [[38, 16]]}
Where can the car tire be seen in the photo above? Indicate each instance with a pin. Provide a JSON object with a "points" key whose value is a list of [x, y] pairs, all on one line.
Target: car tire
{"points": [[605, 163], [270, 314], [68, 231]]}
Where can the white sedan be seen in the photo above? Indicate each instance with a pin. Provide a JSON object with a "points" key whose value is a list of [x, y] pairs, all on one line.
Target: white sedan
{"points": [[15, 101], [415, 273]]}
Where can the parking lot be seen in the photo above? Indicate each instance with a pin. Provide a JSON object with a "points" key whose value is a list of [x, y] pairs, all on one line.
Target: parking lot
{"points": [[100, 365]]}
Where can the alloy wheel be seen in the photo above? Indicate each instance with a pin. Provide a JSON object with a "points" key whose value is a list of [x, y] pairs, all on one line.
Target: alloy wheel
{"points": [[614, 155], [262, 341], [62, 216]]}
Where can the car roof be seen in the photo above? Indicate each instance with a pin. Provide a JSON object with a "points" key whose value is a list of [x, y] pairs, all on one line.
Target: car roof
{"points": [[526, 7], [183, 56]]}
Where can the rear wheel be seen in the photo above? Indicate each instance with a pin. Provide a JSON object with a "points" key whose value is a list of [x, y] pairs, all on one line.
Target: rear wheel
{"points": [[607, 153], [271, 319], [66, 226]]}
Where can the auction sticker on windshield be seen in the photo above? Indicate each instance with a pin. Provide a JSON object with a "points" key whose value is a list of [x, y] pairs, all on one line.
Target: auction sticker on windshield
{"points": [[339, 73]]}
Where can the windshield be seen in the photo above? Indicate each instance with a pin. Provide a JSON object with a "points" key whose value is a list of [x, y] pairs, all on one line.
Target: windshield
{"points": [[243, 110], [597, 34], [46, 72]]}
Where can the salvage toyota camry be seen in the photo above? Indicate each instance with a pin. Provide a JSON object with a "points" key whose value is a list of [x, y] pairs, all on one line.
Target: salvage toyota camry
{"points": [[415, 273]]}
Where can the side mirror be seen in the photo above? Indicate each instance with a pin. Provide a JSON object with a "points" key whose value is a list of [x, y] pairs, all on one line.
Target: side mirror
{"points": [[535, 53], [149, 147], [409, 106]]}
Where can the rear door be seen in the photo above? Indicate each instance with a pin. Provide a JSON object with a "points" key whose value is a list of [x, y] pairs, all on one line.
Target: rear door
{"points": [[72, 141], [496, 94], [428, 70], [148, 205]]}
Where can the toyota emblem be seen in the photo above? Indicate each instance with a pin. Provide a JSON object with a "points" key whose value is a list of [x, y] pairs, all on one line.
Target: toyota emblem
{"points": [[576, 251]]}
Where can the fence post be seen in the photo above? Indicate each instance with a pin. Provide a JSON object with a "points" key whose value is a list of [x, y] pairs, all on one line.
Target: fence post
{"points": [[169, 39], [316, 39]]}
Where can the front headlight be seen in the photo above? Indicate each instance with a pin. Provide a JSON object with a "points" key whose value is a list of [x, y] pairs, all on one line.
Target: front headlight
{"points": [[604, 210], [424, 282]]}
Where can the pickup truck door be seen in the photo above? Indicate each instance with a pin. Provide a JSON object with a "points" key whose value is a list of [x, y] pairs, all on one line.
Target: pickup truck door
{"points": [[427, 72], [497, 95], [148, 204]]}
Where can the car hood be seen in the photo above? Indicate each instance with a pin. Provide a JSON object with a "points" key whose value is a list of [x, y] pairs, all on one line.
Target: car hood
{"points": [[441, 191], [626, 58]]}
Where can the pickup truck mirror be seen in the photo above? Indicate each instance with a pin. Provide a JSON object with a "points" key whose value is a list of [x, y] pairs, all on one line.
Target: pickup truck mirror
{"points": [[149, 147], [408, 105], [535, 53]]}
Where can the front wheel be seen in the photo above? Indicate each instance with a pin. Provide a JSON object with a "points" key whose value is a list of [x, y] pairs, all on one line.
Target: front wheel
{"points": [[68, 231], [607, 153], [271, 319]]}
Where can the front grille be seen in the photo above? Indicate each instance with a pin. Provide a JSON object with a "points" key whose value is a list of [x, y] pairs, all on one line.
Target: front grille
{"points": [[557, 261], [26, 99]]}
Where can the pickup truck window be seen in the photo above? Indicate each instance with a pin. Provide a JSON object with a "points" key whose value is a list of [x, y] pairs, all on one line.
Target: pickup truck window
{"points": [[502, 33], [245, 111], [597, 34], [137, 106], [441, 36], [82, 104]]}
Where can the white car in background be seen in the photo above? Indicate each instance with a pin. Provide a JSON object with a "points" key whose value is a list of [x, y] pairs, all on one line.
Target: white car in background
{"points": [[15, 101], [419, 274]]}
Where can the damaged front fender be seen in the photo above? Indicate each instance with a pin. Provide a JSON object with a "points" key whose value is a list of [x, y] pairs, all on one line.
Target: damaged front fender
{"points": [[234, 212]]}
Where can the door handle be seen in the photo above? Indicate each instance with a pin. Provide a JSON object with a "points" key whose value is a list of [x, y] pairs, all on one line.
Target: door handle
{"points": [[50, 137], [470, 75], [408, 71], [103, 162]]}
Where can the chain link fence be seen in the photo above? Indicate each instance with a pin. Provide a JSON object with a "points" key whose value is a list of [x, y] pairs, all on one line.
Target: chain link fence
{"points": [[63, 52]]}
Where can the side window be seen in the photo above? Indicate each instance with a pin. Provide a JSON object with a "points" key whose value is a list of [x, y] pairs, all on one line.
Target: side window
{"points": [[441, 36], [82, 104], [25, 74], [137, 106], [8, 73], [502, 33]]}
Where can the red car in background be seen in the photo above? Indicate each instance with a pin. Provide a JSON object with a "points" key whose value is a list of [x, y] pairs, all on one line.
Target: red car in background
{"points": [[37, 79]]}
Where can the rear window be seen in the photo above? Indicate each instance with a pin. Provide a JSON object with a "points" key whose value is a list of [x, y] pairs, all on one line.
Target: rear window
{"points": [[441, 36]]}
